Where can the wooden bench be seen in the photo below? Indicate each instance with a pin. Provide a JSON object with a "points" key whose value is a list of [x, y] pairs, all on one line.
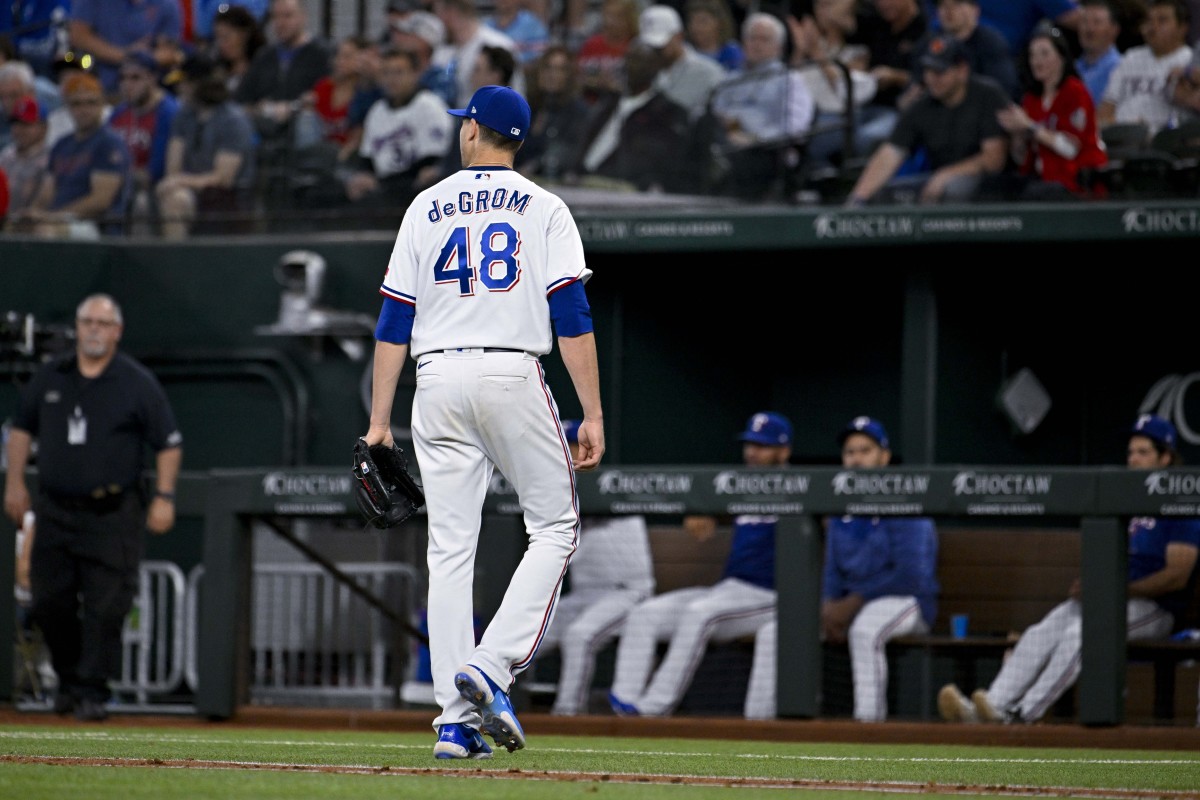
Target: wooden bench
{"points": [[1004, 579]]}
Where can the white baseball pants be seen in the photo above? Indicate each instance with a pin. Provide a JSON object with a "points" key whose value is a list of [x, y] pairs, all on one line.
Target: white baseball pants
{"points": [[1046, 660], [689, 618], [878, 621], [472, 412]]}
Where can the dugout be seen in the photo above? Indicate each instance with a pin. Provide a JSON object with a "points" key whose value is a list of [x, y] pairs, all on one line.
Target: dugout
{"points": [[919, 317]]}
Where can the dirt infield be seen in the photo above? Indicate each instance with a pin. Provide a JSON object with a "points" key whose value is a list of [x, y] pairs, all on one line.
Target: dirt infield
{"points": [[1126, 737]]}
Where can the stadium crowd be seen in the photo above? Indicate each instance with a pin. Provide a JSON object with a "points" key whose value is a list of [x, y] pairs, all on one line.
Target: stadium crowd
{"points": [[178, 117]]}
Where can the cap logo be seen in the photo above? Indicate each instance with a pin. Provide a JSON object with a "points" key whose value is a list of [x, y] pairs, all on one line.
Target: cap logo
{"points": [[474, 110], [515, 131]]}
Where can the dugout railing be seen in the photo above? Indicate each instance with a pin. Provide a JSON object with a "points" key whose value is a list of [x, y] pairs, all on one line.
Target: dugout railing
{"points": [[1100, 499]]}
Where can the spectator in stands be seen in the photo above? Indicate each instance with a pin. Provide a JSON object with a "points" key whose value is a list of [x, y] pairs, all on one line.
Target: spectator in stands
{"points": [[1099, 56], [611, 572], [1186, 92], [956, 123], [711, 32], [397, 11], [143, 120], [237, 36], [1054, 137], [987, 50], [332, 95], [558, 113], [1016, 19], [59, 118], [87, 187], [890, 29], [1161, 579], [494, 66], [601, 56], [819, 46], [282, 72], [211, 160], [879, 581], [108, 29], [424, 32], [640, 139], [405, 138], [18, 80], [686, 77], [1140, 87], [741, 602], [760, 109], [37, 31], [466, 35], [527, 30], [205, 14], [25, 159]]}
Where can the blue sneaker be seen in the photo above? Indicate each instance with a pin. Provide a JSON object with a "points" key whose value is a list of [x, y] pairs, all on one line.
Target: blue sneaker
{"points": [[499, 718], [457, 740], [621, 708]]}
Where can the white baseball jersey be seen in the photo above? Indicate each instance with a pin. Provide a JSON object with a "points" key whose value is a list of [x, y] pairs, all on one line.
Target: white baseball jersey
{"points": [[1140, 85], [461, 257], [397, 138]]}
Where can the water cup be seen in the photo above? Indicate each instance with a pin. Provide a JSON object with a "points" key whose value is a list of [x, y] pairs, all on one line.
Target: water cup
{"points": [[958, 626]]}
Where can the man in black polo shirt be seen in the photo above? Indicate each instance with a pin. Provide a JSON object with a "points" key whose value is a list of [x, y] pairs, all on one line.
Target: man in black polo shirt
{"points": [[954, 125], [93, 413]]}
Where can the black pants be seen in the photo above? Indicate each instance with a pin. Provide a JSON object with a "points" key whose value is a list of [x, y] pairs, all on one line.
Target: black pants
{"points": [[83, 576]]}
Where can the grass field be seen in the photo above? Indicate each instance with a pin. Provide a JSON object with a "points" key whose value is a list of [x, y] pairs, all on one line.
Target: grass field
{"points": [[130, 763]]}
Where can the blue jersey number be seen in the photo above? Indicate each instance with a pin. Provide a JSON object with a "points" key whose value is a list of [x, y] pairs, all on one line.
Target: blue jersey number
{"points": [[498, 268]]}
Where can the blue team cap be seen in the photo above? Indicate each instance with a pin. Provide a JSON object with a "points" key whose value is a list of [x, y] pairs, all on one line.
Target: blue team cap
{"points": [[1156, 429], [865, 425], [571, 430], [499, 108], [768, 428]]}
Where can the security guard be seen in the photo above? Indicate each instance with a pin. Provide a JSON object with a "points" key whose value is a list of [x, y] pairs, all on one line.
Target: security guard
{"points": [[93, 413]]}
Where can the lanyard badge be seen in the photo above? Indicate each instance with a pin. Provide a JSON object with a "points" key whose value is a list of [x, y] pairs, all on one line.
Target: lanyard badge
{"points": [[77, 427]]}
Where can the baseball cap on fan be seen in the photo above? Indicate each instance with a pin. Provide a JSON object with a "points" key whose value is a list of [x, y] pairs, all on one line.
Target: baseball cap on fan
{"points": [[867, 426], [1156, 429], [658, 24], [571, 430], [499, 108], [767, 428], [942, 53], [424, 25]]}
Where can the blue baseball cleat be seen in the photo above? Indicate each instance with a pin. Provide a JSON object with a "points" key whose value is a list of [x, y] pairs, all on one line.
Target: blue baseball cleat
{"points": [[621, 708], [499, 718], [457, 740]]}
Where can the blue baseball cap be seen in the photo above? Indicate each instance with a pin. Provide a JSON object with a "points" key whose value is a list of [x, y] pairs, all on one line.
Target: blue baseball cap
{"points": [[571, 430], [768, 428], [867, 426], [1156, 429], [499, 108]]}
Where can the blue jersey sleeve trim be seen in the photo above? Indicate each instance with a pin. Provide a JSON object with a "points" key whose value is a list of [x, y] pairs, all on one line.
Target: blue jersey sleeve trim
{"points": [[569, 310], [395, 322]]}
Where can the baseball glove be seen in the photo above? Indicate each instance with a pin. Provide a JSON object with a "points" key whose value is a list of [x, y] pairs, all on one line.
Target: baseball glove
{"points": [[386, 493]]}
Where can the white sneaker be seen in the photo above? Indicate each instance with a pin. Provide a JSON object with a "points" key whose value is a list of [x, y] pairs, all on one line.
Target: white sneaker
{"points": [[954, 706]]}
